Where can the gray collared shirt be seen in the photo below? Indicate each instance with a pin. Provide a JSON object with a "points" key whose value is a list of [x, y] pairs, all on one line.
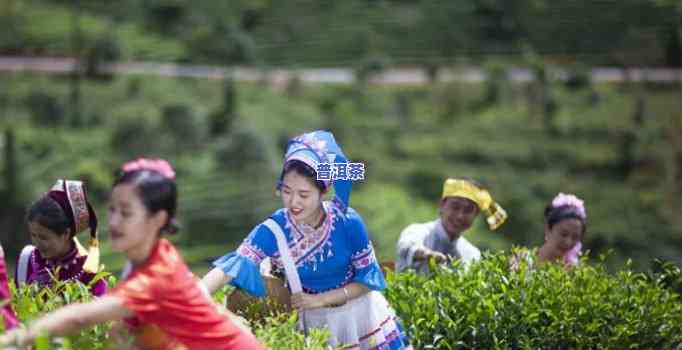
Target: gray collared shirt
{"points": [[431, 235]]}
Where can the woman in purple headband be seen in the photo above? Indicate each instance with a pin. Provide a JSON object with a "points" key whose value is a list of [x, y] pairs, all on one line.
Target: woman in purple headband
{"points": [[54, 220], [565, 225]]}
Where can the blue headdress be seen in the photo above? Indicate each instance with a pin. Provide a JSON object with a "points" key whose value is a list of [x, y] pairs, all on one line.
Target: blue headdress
{"points": [[318, 147]]}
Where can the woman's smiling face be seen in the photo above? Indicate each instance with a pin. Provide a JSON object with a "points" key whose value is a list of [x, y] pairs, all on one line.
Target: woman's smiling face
{"points": [[301, 197], [564, 235]]}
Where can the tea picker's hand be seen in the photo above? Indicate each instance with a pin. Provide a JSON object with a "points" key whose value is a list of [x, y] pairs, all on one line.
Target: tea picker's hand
{"points": [[437, 256], [304, 301]]}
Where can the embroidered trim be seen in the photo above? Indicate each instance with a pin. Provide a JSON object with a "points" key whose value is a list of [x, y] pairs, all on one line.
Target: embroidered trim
{"points": [[314, 246], [308, 245], [251, 252], [390, 324], [364, 258], [311, 143], [79, 206]]}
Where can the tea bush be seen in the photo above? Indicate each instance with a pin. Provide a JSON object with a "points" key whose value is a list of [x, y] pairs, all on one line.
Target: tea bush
{"points": [[276, 331], [30, 302], [487, 305]]}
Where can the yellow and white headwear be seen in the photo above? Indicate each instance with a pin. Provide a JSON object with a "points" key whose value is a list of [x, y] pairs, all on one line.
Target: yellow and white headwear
{"points": [[495, 214]]}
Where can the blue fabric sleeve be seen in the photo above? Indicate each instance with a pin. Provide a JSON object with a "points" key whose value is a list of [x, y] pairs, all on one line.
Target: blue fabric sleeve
{"points": [[243, 265], [244, 272], [363, 259]]}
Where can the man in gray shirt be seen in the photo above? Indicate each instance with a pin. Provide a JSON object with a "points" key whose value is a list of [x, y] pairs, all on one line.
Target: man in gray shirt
{"points": [[441, 239]]}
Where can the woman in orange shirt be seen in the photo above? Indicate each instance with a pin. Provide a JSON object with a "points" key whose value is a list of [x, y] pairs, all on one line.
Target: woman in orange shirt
{"points": [[159, 299]]}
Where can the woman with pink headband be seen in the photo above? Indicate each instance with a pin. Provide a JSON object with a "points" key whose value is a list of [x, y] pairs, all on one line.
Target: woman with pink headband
{"points": [[565, 224], [158, 300]]}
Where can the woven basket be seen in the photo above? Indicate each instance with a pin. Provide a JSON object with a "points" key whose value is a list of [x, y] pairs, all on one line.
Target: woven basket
{"points": [[387, 266], [279, 298], [278, 295]]}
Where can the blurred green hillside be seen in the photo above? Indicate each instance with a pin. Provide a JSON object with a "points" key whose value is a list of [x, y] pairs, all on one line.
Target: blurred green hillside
{"points": [[617, 145], [612, 144], [305, 33]]}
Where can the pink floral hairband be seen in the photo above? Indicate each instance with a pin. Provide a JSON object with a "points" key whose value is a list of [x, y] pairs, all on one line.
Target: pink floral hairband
{"points": [[563, 199], [160, 166]]}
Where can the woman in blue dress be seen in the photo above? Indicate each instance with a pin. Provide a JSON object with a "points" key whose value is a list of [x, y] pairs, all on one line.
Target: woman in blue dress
{"points": [[324, 249]]}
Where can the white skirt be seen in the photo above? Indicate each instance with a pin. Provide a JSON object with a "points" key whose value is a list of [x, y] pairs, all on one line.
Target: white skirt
{"points": [[364, 323]]}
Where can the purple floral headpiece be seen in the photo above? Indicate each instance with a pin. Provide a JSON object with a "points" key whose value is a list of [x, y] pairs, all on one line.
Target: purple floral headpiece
{"points": [[571, 200]]}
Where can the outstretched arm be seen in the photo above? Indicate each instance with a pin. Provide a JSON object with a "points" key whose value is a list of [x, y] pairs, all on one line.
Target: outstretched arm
{"points": [[215, 279], [411, 249], [423, 253], [69, 319]]}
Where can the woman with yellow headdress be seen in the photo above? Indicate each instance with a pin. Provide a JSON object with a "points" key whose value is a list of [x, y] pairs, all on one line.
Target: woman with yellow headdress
{"points": [[461, 202], [54, 220]]}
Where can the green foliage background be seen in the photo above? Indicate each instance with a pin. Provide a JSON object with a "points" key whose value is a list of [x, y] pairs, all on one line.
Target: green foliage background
{"points": [[409, 137], [427, 33]]}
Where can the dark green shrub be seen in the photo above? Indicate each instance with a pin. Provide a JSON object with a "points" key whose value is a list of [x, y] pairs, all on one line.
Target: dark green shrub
{"points": [[449, 102], [426, 184], [165, 16], [134, 137], [184, 127], [371, 67], [104, 50], [578, 77], [488, 306], [404, 107], [496, 79], [97, 177], [220, 121], [667, 273], [242, 149], [294, 86], [45, 109], [221, 43]]}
